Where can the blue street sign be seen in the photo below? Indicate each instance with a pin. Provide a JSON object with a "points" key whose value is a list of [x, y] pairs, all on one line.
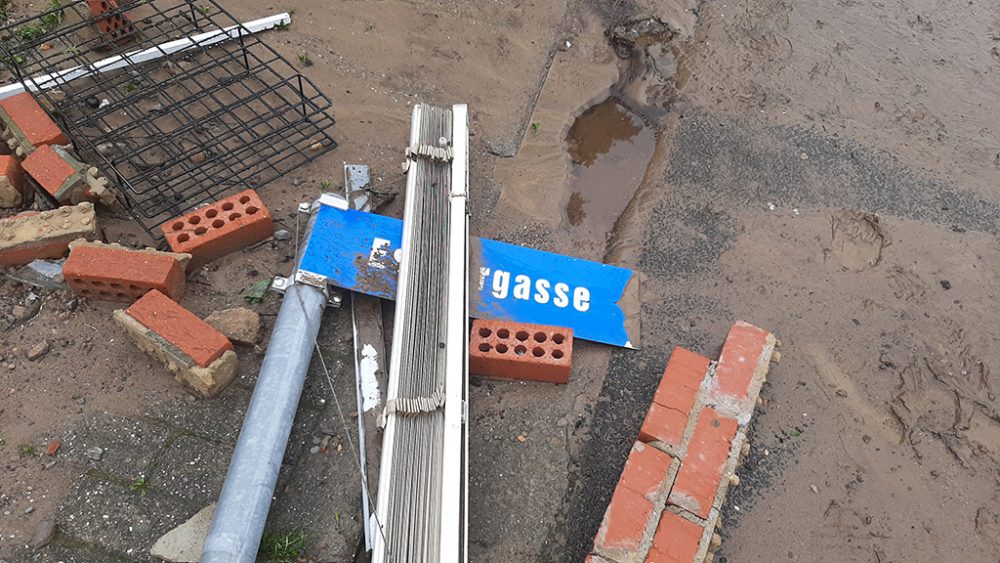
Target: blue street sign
{"points": [[360, 251]]}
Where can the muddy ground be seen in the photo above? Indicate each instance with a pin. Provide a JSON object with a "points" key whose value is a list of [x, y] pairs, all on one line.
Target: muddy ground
{"points": [[825, 171]]}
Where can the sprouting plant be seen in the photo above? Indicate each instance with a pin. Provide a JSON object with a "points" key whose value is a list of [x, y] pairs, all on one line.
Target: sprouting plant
{"points": [[29, 32], [536, 127], [129, 88], [140, 484], [281, 26], [282, 547], [53, 19], [326, 184], [25, 450], [304, 59]]}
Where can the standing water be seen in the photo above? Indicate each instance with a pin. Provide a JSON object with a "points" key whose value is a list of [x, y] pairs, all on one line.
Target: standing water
{"points": [[609, 147]]}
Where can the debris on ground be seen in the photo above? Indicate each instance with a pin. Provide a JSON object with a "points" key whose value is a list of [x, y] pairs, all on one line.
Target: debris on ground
{"points": [[195, 352], [46, 274], [239, 324], [184, 543], [44, 532], [38, 350]]}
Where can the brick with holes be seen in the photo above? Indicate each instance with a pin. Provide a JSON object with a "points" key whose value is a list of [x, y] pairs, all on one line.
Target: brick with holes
{"points": [[113, 22], [228, 225], [111, 272], [521, 351], [196, 353], [44, 234], [28, 125]]}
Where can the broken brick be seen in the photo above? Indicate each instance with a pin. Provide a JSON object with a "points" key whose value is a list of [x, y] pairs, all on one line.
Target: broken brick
{"points": [[28, 125], [196, 353], [521, 351], [11, 182], [53, 447], [222, 228], [33, 235], [701, 469], [110, 272], [676, 540]]}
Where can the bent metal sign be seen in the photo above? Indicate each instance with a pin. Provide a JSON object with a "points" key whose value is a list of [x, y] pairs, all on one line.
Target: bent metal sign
{"points": [[360, 251]]}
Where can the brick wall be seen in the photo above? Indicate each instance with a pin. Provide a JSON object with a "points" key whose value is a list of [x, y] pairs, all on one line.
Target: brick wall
{"points": [[666, 505]]}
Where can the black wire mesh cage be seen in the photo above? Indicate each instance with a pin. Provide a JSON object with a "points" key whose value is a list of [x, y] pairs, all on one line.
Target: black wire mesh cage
{"points": [[176, 102]]}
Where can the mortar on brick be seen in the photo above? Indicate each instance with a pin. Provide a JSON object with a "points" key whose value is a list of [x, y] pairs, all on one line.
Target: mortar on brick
{"points": [[44, 234], [208, 381], [11, 182]]}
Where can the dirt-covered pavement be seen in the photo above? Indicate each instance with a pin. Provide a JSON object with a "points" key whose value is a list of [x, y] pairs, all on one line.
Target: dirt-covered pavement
{"points": [[824, 171]]}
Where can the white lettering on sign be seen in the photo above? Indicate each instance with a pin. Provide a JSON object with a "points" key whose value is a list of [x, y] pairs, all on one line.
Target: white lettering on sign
{"points": [[562, 294], [501, 284]]}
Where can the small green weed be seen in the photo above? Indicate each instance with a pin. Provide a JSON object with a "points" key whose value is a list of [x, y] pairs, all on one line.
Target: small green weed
{"points": [[25, 450], [536, 127], [326, 184], [305, 60], [140, 484], [282, 547]]}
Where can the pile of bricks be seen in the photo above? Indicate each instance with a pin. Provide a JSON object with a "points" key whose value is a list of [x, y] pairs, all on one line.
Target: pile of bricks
{"points": [[666, 505], [39, 148], [153, 281]]}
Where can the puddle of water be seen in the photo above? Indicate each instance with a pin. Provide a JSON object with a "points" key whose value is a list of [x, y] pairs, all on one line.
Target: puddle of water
{"points": [[609, 147]]}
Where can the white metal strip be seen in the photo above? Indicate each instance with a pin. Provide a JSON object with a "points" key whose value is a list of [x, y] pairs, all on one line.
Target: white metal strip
{"points": [[46, 81], [457, 346]]}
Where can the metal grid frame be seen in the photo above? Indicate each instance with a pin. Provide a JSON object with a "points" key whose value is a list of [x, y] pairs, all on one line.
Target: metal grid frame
{"points": [[184, 129]]}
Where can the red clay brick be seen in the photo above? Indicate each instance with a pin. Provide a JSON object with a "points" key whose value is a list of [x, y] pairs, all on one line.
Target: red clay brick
{"points": [[663, 424], [219, 229], [667, 416], [741, 354], [113, 273], [685, 371], [28, 117], [180, 327], [676, 540], [11, 182], [53, 447], [645, 471], [49, 170], [521, 351], [624, 521], [701, 469], [116, 27], [47, 234]]}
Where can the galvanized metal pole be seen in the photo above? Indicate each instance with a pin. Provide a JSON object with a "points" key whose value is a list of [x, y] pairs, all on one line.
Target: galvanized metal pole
{"points": [[253, 472]]}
